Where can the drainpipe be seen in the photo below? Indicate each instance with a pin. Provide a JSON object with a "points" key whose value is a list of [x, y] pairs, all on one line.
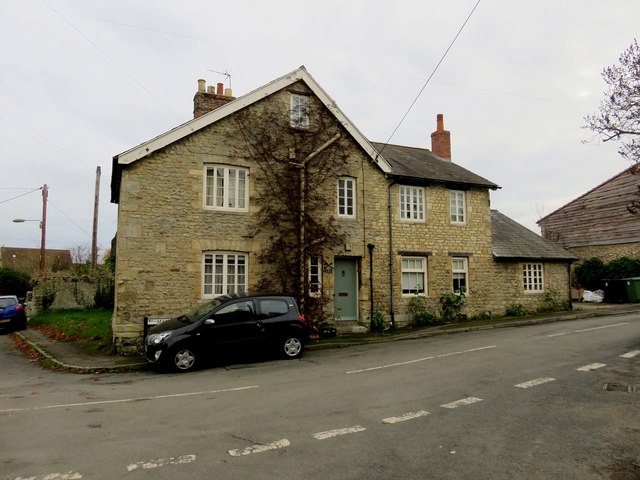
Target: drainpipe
{"points": [[371, 246], [392, 323], [569, 286]]}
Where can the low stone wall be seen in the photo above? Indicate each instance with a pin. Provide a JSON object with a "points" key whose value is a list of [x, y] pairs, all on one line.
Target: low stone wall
{"points": [[66, 290]]}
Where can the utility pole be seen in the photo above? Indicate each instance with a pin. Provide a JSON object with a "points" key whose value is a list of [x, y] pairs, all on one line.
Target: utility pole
{"points": [[43, 227], [94, 237]]}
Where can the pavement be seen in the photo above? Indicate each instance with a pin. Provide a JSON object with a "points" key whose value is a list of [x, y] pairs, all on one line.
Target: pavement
{"points": [[71, 357]]}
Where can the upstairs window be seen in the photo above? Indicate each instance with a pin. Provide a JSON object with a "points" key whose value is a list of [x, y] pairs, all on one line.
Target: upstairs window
{"points": [[346, 197], [459, 267], [414, 275], [532, 277], [299, 111], [226, 188], [457, 209], [412, 203], [224, 273]]}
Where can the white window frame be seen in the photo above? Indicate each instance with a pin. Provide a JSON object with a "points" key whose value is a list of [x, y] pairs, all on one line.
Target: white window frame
{"points": [[315, 275], [412, 203], [412, 269], [533, 277], [223, 273], [457, 207], [346, 193], [460, 267], [226, 188], [299, 113]]}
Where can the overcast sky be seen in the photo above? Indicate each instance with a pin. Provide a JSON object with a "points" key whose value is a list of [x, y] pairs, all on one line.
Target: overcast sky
{"points": [[84, 80]]}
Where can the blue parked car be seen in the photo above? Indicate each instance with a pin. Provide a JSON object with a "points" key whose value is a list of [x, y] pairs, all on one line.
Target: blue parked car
{"points": [[12, 313]]}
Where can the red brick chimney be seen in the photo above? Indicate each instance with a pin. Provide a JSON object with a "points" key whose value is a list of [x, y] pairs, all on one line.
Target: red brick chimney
{"points": [[441, 140], [207, 99]]}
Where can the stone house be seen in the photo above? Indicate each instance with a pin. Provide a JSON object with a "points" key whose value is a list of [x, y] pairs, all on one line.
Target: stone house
{"points": [[598, 223], [191, 206]]}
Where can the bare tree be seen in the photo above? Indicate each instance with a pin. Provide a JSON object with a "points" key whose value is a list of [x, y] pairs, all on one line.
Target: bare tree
{"points": [[619, 115], [80, 254], [295, 189]]}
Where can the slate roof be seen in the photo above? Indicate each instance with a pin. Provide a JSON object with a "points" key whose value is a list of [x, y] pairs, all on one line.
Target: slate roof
{"points": [[513, 241], [422, 164]]}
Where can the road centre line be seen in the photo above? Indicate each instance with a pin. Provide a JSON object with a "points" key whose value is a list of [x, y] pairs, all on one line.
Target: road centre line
{"points": [[534, 383], [241, 452], [417, 360], [162, 462], [462, 402], [588, 329], [591, 367], [126, 400], [337, 432], [600, 328], [54, 476], [405, 417], [631, 354]]}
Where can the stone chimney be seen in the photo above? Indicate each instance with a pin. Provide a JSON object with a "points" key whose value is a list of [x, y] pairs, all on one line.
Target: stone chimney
{"points": [[441, 140], [207, 99]]}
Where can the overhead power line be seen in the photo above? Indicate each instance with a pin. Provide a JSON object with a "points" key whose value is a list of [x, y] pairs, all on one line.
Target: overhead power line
{"points": [[430, 76], [108, 57]]}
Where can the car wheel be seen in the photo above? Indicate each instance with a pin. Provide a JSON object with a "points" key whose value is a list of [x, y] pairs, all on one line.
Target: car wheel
{"points": [[182, 359], [291, 346], [22, 325]]}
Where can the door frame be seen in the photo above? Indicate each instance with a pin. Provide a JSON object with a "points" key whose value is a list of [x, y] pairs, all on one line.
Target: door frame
{"points": [[355, 262]]}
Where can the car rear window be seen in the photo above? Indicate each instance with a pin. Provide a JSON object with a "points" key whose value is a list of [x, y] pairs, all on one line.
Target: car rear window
{"points": [[6, 302], [273, 308]]}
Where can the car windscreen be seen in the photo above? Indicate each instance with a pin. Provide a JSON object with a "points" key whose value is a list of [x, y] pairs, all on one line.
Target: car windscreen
{"points": [[198, 312]]}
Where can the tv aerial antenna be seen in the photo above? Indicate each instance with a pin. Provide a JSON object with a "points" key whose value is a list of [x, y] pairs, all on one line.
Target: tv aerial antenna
{"points": [[226, 74]]}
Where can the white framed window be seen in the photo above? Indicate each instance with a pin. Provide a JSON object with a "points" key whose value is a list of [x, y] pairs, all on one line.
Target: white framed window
{"points": [[299, 111], [414, 275], [460, 273], [224, 273], [457, 209], [412, 203], [347, 197], [315, 275], [226, 188], [533, 277]]}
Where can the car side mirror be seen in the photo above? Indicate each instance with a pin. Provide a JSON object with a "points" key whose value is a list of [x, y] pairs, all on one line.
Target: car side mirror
{"points": [[209, 321]]}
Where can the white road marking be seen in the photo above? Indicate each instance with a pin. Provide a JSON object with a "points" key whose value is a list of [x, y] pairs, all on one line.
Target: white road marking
{"points": [[260, 448], [54, 476], [631, 354], [593, 366], [409, 362], [125, 400], [588, 329], [405, 417], [462, 402], [534, 383], [600, 328], [162, 462], [337, 432]]}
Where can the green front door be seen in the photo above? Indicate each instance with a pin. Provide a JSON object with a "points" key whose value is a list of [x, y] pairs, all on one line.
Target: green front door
{"points": [[345, 289]]}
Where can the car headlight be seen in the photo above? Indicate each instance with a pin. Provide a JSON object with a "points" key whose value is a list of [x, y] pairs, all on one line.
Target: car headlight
{"points": [[156, 338]]}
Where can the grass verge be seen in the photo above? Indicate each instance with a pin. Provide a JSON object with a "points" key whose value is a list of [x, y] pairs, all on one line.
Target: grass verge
{"points": [[89, 328]]}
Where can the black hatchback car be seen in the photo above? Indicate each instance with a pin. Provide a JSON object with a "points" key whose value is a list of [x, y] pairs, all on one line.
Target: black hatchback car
{"points": [[230, 323]]}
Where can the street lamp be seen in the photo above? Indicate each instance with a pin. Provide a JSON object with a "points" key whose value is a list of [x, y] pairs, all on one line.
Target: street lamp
{"points": [[42, 239], [43, 225]]}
